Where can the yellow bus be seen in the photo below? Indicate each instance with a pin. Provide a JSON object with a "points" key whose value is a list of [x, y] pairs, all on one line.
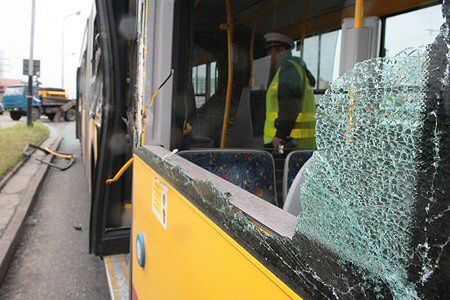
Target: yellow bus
{"points": [[190, 202]]}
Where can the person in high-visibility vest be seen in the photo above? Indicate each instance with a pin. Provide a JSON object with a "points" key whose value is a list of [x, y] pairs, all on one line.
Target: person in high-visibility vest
{"points": [[290, 105]]}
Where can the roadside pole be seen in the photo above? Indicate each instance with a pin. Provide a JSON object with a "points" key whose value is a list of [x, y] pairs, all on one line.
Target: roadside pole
{"points": [[30, 68]]}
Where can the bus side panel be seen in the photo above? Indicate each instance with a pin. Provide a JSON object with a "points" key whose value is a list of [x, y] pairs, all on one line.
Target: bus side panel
{"points": [[86, 98], [187, 256]]}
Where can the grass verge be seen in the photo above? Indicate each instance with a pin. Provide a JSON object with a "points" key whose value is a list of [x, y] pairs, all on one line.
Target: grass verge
{"points": [[14, 139]]}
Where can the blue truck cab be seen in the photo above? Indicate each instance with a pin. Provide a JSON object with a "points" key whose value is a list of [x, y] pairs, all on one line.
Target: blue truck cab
{"points": [[15, 100], [46, 101], [15, 97]]}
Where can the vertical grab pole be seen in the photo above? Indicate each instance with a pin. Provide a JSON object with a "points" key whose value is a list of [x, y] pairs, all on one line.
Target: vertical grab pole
{"points": [[303, 28], [226, 115], [252, 43], [359, 13], [251, 55]]}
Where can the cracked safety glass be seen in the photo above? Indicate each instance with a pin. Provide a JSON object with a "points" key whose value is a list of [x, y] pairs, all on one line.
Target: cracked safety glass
{"points": [[375, 192]]}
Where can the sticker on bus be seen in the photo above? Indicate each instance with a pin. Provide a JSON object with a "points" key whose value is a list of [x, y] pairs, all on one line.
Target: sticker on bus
{"points": [[159, 201]]}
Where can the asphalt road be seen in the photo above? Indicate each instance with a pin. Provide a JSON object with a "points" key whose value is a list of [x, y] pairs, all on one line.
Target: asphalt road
{"points": [[6, 121], [52, 261]]}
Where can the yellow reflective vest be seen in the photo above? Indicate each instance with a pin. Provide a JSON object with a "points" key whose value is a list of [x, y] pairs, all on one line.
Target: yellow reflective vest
{"points": [[304, 131]]}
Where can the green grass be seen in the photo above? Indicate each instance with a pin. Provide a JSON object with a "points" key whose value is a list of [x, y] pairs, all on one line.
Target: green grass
{"points": [[14, 139]]}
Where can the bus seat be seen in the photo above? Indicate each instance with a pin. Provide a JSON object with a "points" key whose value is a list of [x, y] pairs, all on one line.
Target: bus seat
{"points": [[191, 109], [251, 170], [244, 136], [292, 204], [258, 112], [292, 165]]}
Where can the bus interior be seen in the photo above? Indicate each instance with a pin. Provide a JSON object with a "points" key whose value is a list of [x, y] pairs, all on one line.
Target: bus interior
{"points": [[212, 111]]}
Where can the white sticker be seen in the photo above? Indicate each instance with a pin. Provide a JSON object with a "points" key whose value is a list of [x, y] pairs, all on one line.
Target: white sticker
{"points": [[160, 200]]}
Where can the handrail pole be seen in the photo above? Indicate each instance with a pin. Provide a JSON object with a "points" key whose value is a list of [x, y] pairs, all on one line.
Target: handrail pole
{"points": [[359, 13], [226, 115], [251, 52], [303, 29], [252, 44]]}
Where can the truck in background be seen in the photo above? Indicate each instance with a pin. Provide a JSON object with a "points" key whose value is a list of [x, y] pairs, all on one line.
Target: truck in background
{"points": [[46, 101]]}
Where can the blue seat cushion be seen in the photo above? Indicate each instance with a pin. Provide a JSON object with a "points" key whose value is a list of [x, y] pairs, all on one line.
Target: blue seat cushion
{"points": [[251, 171], [295, 163]]}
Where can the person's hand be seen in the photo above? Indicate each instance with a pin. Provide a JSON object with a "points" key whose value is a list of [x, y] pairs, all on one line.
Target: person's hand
{"points": [[277, 142], [188, 129]]}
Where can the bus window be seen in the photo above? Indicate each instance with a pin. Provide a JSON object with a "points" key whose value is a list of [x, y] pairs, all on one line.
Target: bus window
{"points": [[204, 79], [321, 55], [422, 27], [311, 52], [199, 79], [328, 53], [213, 78]]}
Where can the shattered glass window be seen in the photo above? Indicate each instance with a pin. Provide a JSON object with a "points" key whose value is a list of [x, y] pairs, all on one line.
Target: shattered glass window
{"points": [[369, 189]]}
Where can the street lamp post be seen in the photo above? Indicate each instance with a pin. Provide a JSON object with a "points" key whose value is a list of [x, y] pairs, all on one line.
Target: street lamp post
{"points": [[77, 13], [30, 68]]}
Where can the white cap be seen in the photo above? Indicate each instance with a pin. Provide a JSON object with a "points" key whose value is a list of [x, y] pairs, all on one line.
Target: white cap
{"points": [[275, 37]]}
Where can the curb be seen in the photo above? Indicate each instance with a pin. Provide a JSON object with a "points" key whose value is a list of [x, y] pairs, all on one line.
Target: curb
{"points": [[13, 232]]}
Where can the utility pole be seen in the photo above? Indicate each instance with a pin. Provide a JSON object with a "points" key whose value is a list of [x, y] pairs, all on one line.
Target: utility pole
{"points": [[30, 68]]}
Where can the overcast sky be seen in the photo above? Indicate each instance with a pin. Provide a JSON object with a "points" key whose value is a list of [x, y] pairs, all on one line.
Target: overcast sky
{"points": [[15, 21]]}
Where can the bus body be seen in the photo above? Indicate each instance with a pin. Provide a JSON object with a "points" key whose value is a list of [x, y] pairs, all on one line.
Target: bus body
{"points": [[202, 211]]}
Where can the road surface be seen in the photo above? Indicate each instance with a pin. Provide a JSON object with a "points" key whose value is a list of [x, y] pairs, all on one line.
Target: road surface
{"points": [[6, 121], [52, 261]]}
